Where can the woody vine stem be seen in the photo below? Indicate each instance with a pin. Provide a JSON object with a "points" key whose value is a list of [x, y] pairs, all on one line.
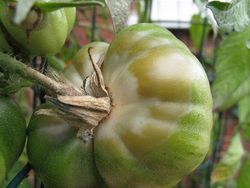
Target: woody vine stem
{"points": [[10, 64]]}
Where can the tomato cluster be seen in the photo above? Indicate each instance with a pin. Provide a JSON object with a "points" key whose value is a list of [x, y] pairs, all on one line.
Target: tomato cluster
{"points": [[159, 126]]}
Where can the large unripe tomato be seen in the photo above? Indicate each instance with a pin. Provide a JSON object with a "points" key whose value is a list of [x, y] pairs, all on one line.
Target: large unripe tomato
{"points": [[12, 135], [159, 127], [40, 33], [60, 158]]}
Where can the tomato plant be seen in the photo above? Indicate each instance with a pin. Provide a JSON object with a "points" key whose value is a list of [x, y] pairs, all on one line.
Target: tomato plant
{"points": [[12, 135], [157, 131], [133, 113], [40, 33]]}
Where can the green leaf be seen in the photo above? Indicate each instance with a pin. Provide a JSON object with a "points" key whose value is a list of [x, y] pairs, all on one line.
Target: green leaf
{"points": [[231, 16], [220, 5], [196, 30], [55, 5], [22, 9], [119, 10], [24, 6], [232, 81], [244, 174], [230, 162], [244, 116]]}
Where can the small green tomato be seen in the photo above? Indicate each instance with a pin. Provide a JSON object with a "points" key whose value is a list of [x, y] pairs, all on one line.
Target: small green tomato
{"points": [[40, 33], [12, 135]]}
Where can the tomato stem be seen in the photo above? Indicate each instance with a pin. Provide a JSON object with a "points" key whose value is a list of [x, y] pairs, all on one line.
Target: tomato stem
{"points": [[10, 64], [15, 182]]}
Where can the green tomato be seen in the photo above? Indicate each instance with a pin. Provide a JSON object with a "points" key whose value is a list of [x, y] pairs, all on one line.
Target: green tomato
{"points": [[12, 135], [60, 158], [71, 17], [160, 123], [40, 33], [159, 128]]}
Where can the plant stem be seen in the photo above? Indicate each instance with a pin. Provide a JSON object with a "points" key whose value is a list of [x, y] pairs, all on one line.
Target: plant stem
{"points": [[219, 133], [19, 177], [9, 64], [200, 54], [146, 15]]}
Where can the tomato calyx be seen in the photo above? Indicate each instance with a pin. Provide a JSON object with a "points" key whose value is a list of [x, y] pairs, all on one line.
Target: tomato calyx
{"points": [[94, 84], [92, 107]]}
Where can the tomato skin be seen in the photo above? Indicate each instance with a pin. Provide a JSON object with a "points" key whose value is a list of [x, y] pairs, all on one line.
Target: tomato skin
{"points": [[82, 61], [47, 37], [59, 158], [71, 17], [160, 124], [82, 66], [12, 135]]}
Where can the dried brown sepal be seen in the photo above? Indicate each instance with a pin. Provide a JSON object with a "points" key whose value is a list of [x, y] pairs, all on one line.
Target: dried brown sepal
{"points": [[90, 109], [94, 84]]}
